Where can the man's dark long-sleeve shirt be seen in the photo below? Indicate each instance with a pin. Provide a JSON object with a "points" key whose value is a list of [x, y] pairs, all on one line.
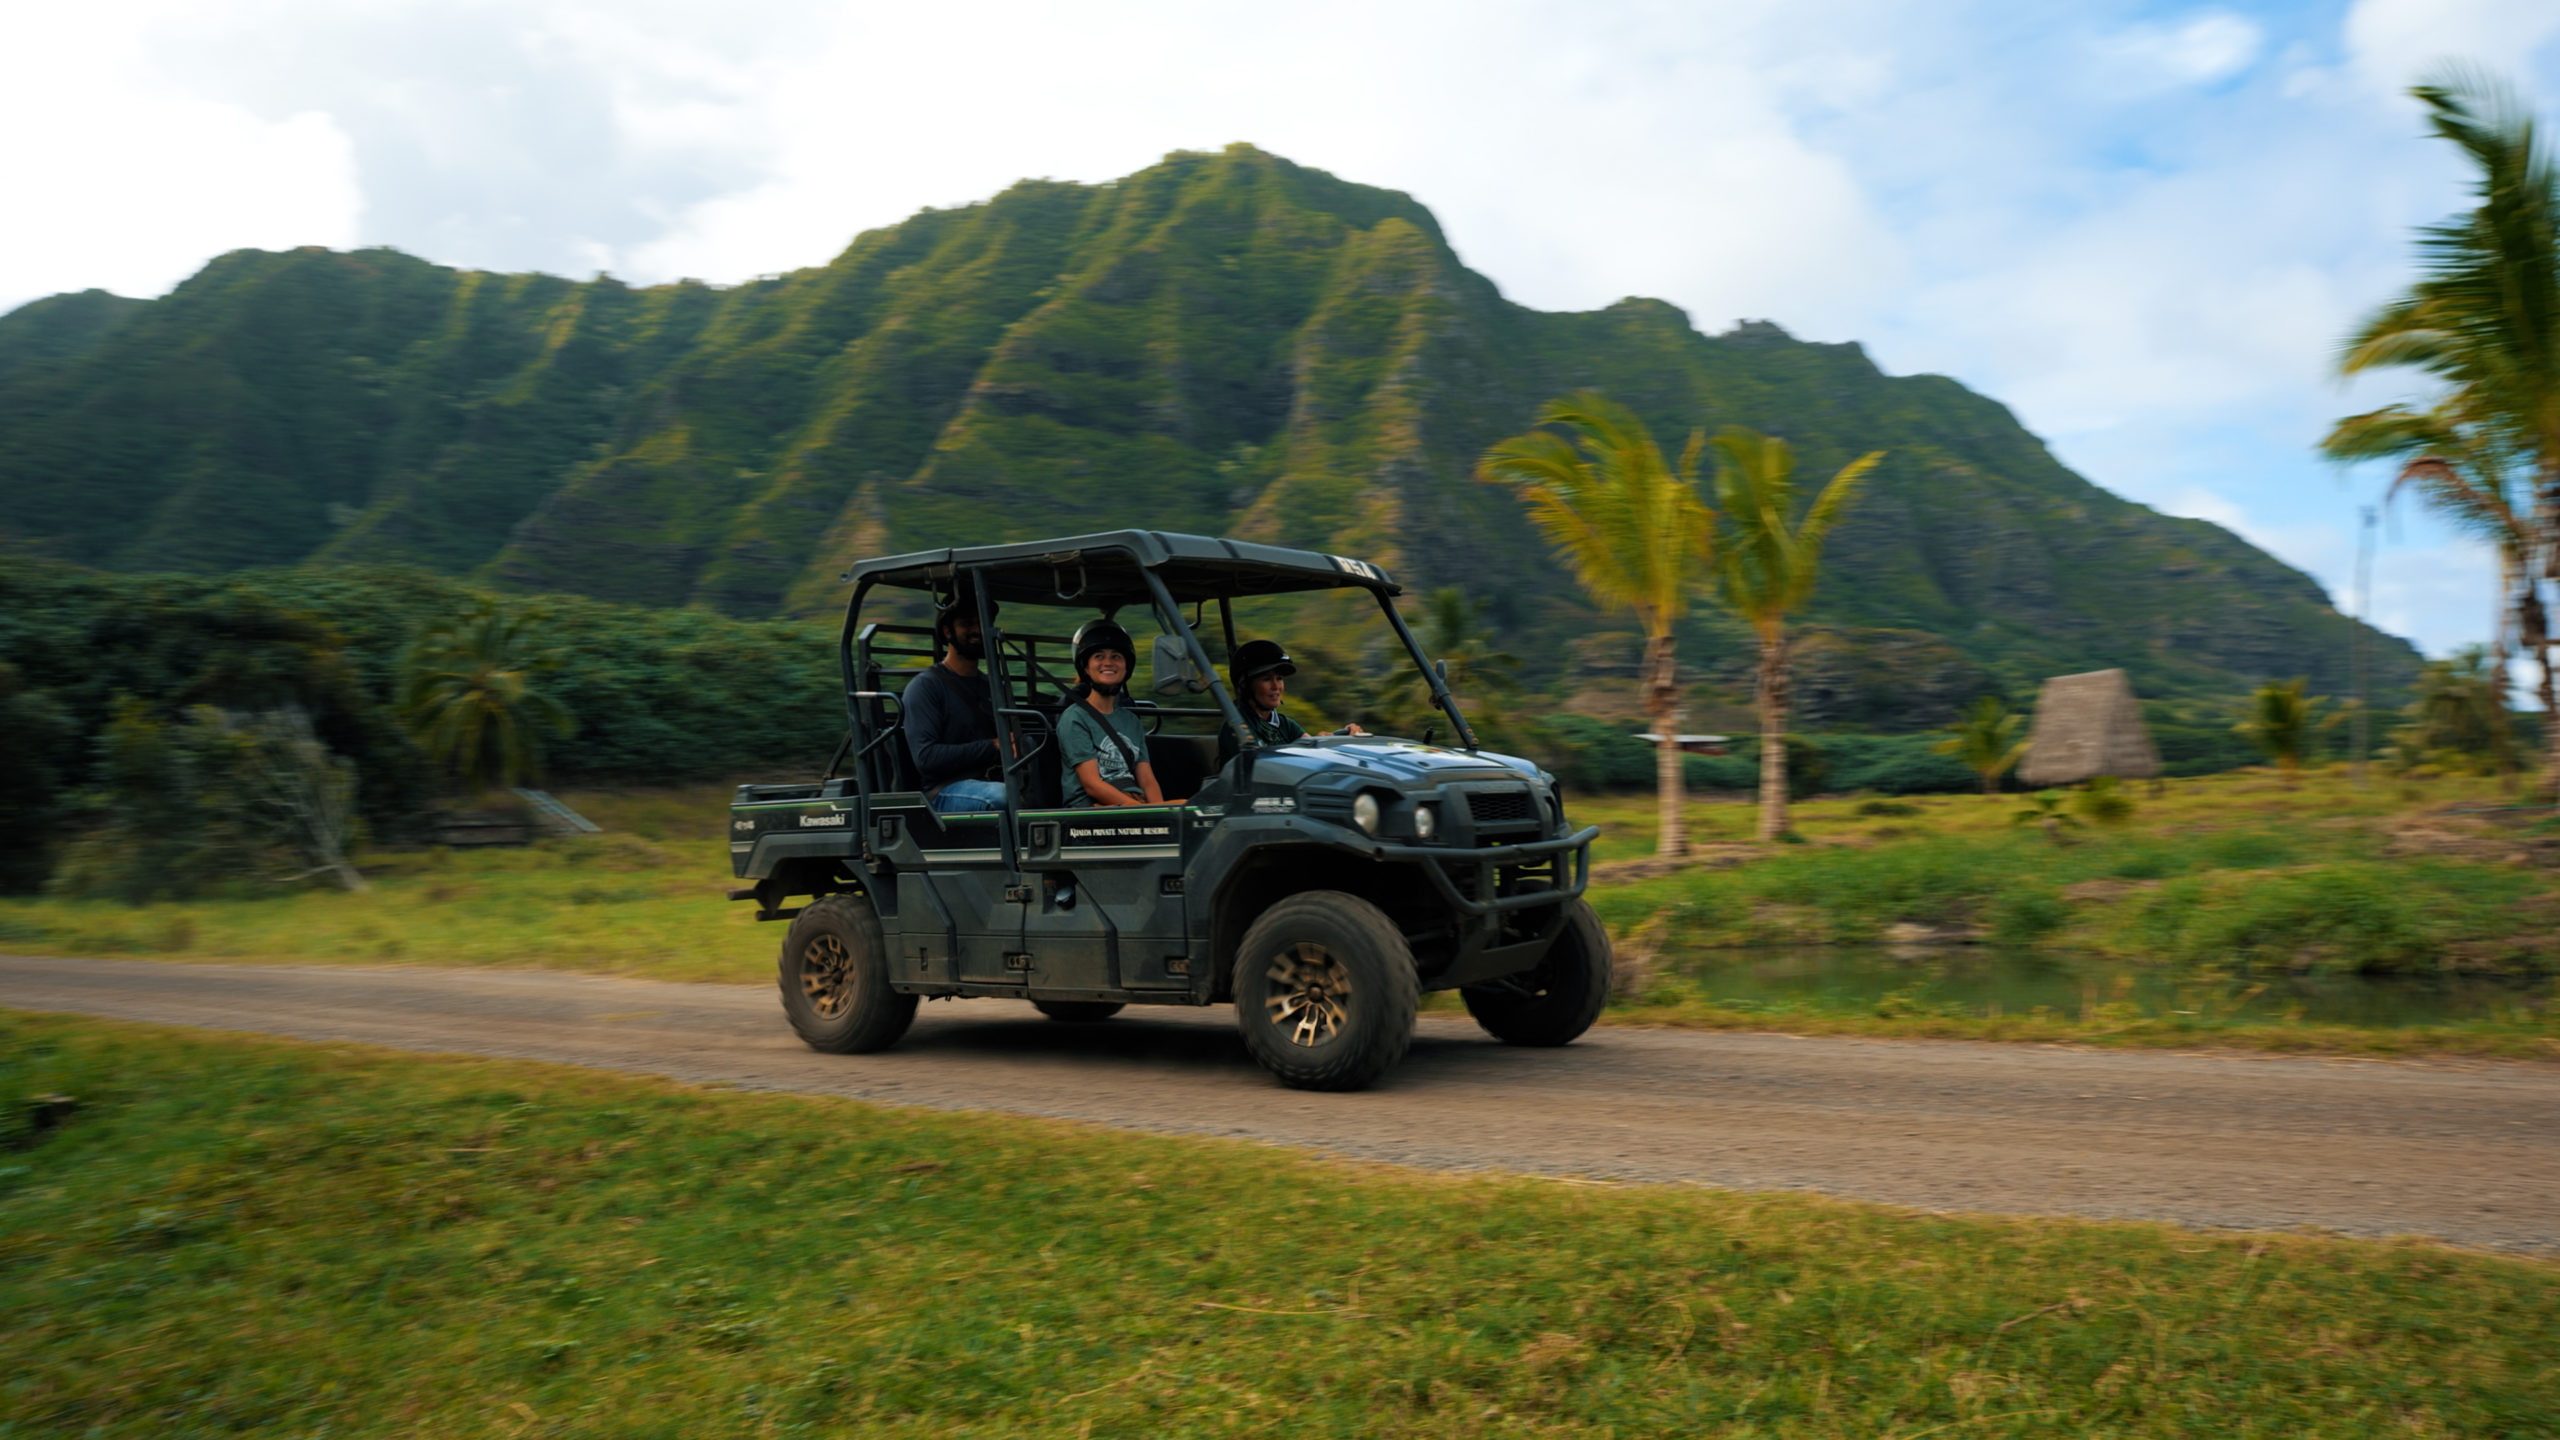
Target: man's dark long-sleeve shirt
{"points": [[950, 722]]}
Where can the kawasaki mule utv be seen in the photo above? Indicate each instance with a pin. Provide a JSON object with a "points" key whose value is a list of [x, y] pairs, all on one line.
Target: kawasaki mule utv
{"points": [[1320, 885]]}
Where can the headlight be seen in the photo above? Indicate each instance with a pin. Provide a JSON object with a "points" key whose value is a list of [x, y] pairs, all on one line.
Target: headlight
{"points": [[1364, 813], [1426, 821]]}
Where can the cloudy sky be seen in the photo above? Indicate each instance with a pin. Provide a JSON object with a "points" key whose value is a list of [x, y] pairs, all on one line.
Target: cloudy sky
{"points": [[2143, 227]]}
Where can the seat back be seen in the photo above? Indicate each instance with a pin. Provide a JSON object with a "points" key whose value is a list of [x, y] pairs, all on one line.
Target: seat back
{"points": [[888, 766], [1042, 780], [1183, 763]]}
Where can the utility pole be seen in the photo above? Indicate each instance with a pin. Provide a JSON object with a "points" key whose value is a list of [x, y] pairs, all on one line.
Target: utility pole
{"points": [[2361, 732]]}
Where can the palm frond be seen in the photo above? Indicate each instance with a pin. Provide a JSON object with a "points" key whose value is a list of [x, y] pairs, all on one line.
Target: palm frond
{"points": [[1627, 525]]}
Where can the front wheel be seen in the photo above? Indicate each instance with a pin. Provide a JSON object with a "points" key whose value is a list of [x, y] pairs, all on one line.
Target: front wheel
{"points": [[835, 979], [1326, 991], [1559, 999]]}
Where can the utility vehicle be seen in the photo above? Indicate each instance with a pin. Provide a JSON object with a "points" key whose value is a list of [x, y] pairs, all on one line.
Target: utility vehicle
{"points": [[1319, 885]]}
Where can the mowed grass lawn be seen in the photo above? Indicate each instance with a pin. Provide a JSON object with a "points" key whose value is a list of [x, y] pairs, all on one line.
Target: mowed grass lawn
{"points": [[242, 1236], [2220, 877]]}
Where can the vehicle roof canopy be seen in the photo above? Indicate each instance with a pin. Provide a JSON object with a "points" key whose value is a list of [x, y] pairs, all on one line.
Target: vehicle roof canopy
{"points": [[1104, 569]]}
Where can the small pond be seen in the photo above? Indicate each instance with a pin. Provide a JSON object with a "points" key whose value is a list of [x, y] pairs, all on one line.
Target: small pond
{"points": [[1985, 980]]}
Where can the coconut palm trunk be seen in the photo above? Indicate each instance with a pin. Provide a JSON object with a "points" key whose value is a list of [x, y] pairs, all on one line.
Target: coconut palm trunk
{"points": [[1773, 737], [2535, 624], [1766, 566], [2549, 788], [1662, 704]]}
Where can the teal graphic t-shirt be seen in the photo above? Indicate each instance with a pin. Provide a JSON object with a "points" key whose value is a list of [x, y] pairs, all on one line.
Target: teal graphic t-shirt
{"points": [[1081, 737]]}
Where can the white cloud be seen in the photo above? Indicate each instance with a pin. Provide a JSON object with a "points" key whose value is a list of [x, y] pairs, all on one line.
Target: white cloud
{"points": [[2201, 50], [2442, 596], [1571, 175], [2394, 43], [119, 184]]}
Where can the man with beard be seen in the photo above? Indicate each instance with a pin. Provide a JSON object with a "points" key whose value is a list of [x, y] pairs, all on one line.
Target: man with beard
{"points": [[949, 715]]}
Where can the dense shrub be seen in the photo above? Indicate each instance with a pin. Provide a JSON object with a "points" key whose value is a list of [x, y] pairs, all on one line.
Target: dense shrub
{"points": [[187, 807], [2203, 749], [1896, 765], [2350, 915], [655, 695], [36, 739], [1594, 754]]}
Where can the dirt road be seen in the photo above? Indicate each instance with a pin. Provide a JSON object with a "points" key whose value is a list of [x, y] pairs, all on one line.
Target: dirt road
{"points": [[2464, 1152]]}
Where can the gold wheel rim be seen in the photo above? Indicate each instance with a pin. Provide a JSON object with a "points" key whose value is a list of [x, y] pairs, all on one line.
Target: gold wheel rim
{"points": [[826, 976], [1310, 991]]}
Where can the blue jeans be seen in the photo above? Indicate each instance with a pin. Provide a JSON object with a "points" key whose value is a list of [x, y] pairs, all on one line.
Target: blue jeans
{"points": [[962, 797]]}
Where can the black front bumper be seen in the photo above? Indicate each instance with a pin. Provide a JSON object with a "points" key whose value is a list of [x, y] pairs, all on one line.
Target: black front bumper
{"points": [[1436, 862]]}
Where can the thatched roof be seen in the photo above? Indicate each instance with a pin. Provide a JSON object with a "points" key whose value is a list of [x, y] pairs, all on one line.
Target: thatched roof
{"points": [[2088, 725]]}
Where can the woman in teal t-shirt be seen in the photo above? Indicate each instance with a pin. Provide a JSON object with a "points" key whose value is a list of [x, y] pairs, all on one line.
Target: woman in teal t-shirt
{"points": [[1104, 745]]}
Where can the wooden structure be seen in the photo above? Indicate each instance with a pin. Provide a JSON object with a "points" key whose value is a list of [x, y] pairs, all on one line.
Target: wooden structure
{"points": [[2088, 725]]}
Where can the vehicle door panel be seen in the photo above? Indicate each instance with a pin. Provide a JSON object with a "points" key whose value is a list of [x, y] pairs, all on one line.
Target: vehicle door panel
{"points": [[1123, 925]]}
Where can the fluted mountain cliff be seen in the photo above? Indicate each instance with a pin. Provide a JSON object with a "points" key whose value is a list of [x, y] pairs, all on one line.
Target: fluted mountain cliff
{"points": [[1223, 342]]}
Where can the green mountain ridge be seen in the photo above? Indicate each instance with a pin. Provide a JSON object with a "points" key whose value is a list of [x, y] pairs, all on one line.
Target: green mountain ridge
{"points": [[1227, 343]]}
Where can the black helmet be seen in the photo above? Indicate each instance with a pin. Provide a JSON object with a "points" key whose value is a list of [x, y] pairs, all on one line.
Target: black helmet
{"points": [[1095, 635], [1258, 657]]}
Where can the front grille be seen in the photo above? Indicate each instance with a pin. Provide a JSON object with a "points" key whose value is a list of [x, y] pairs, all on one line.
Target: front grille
{"points": [[1322, 805], [1502, 807]]}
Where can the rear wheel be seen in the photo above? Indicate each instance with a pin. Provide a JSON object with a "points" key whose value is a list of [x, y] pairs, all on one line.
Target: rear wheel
{"points": [[835, 979], [1555, 1002], [1078, 1012], [1325, 991]]}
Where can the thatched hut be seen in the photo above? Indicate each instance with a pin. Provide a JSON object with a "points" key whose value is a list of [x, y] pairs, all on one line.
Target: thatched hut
{"points": [[2088, 725]]}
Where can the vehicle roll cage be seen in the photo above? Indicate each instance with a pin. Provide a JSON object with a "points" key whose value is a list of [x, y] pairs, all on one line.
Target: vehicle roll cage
{"points": [[1108, 571]]}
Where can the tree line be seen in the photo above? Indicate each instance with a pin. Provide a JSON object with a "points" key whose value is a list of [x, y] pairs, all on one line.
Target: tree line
{"points": [[145, 712]]}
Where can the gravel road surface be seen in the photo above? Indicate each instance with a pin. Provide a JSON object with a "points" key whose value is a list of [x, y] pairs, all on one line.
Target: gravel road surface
{"points": [[2465, 1152]]}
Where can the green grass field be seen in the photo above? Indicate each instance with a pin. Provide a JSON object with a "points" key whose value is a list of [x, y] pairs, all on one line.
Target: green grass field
{"points": [[241, 1236], [2215, 879]]}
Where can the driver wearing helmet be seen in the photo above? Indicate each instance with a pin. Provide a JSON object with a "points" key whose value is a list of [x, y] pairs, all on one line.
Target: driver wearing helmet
{"points": [[1100, 738], [1259, 677]]}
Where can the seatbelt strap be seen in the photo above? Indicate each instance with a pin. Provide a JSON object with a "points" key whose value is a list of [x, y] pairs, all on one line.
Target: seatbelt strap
{"points": [[1130, 756]]}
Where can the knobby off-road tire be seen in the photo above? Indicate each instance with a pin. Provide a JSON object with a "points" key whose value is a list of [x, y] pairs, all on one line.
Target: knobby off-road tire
{"points": [[1326, 991], [1554, 1003], [835, 979], [1078, 1012]]}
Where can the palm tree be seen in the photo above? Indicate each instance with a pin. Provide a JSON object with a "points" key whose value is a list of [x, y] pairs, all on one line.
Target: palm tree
{"points": [[2282, 720], [1634, 532], [2467, 470], [1766, 565], [1452, 630], [467, 696], [2456, 721], [2484, 318], [1986, 740]]}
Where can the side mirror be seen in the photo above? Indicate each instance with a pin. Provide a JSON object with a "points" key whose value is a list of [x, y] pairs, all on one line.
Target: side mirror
{"points": [[1175, 674]]}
